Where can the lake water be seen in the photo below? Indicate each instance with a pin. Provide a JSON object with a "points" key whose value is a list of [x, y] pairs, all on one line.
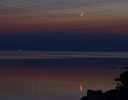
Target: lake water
{"points": [[57, 79]]}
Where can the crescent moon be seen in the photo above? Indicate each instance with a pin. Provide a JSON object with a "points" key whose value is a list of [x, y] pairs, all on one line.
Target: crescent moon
{"points": [[82, 14]]}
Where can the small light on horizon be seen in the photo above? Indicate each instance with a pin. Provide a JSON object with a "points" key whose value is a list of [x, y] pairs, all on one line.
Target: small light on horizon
{"points": [[20, 50]]}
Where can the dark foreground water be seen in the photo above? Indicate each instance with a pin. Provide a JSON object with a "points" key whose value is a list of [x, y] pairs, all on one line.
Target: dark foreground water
{"points": [[57, 79]]}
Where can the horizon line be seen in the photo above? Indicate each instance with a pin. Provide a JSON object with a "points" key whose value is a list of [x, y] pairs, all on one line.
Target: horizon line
{"points": [[22, 54]]}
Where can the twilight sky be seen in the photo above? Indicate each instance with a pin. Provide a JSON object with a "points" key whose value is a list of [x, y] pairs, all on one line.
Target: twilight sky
{"points": [[105, 16], [58, 25]]}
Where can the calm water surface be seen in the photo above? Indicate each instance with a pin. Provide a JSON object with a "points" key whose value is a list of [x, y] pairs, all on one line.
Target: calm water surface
{"points": [[57, 79]]}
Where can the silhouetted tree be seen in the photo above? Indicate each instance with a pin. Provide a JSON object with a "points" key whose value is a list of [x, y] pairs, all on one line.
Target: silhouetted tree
{"points": [[122, 80], [120, 93]]}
